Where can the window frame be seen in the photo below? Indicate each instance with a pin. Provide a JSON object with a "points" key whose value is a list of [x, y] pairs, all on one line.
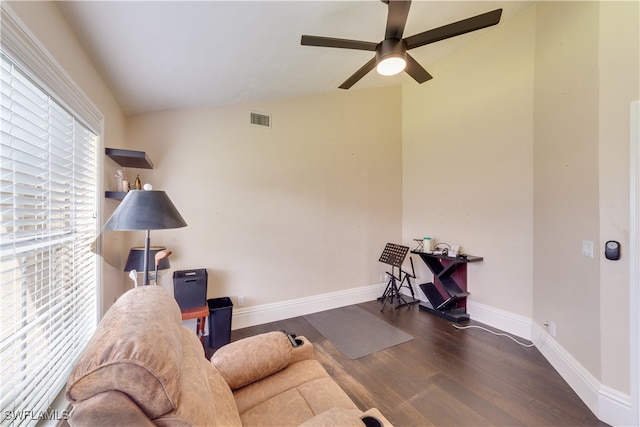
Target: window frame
{"points": [[21, 46]]}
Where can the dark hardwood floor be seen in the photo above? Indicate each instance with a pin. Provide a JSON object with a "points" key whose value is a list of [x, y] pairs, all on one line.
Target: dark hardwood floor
{"points": [[446, 376]]}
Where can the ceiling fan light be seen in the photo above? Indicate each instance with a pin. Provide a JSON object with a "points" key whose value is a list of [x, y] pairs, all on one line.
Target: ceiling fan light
{"points": [[391, 66], [390, 56]]}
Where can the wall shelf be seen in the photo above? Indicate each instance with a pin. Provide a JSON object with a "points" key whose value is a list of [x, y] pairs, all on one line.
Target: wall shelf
{"points": [[129, 158], [116, 195]]}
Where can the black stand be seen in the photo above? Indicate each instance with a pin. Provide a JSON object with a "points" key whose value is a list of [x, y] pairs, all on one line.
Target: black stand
{"points": [[394, 255], [447, 294]]}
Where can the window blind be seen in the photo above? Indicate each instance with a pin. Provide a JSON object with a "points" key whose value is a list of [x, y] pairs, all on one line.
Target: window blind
{"points": [[48, 229]]}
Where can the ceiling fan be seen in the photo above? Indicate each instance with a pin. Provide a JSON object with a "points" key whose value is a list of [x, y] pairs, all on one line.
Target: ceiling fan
{"points": [[391, 53]]}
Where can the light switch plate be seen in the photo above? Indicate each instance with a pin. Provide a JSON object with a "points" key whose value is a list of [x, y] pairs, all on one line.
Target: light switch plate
{"points": [[587, 248]]}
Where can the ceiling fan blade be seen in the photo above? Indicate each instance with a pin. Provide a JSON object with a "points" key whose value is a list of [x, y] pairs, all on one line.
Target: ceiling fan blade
{"points": [[339, 43], [455, 29], [416, 71], [396, 18], [359, 74]]}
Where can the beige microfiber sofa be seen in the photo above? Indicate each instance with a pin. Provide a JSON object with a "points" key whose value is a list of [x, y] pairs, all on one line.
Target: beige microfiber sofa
{"points": [[143, 367]]}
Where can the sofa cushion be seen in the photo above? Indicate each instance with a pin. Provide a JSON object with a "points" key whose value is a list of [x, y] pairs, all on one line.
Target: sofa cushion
{"points": [[297, 404], [285, 409], [250, 359], [136, 351], [308, 378]]}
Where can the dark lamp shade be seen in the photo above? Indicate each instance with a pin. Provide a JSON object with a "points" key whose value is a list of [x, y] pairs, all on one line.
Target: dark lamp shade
{"points": [[145, 210], [135, 261]]}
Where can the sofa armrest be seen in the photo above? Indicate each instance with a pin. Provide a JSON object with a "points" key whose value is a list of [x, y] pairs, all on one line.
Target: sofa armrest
{"points": [[304, 351], [376, 415], [348, 418], [109, 409], [251, 359]]}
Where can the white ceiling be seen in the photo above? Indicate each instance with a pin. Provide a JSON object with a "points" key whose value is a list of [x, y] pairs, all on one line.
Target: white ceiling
{"points": [[163, 55]]}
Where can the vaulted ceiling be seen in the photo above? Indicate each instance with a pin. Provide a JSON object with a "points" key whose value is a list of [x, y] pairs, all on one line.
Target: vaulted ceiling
{"points": [[163, 55]]}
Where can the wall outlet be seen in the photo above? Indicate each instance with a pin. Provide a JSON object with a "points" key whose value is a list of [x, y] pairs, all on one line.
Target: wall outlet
{"points": [[240, 300], [551, 327]]}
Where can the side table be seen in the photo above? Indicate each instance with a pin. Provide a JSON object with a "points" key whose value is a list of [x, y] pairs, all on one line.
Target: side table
{"points": [[199, 313]]}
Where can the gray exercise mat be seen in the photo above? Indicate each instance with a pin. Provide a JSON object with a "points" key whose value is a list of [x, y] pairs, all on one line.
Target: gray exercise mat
{"points": [[355, 332]]}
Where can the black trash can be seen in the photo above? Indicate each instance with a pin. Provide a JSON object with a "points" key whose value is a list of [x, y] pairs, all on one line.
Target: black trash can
{"points": [[220, 310]]}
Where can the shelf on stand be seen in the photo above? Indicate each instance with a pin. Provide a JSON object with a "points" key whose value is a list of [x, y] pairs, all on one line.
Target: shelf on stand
{"points": [[447, 294]]}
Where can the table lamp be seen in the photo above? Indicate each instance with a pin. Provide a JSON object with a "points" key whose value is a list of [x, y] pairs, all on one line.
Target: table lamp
{"points": [[145, 210]]}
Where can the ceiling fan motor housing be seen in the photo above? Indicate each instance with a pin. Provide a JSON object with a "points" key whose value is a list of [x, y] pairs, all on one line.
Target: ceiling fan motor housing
{"points": [[391, 47]]}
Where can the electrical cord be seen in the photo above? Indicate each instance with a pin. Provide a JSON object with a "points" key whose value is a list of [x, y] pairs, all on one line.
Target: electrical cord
{"points": [[442, 243], [542, 336]]}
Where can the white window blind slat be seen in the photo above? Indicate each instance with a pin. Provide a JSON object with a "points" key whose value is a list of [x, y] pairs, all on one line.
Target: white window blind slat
{"points": [[22, 92], [48, 204]]}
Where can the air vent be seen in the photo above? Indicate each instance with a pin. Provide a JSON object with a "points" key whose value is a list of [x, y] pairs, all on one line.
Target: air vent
{"points": [[261, 119]]}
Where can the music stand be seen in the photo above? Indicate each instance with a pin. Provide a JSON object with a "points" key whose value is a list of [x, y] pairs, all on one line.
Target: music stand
{"points": [[394, 255]]}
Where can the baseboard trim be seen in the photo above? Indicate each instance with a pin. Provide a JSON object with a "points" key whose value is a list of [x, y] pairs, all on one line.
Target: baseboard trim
{"points": [[609, 405], [501, 319], [615, 407], [576, 375], [265, 313]]}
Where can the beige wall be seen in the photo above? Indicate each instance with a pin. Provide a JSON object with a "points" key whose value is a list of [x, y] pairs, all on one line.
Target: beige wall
{"points": [[49, 27], [468, 169], [619, 85], [525, 157], [566, 197], [298, 210], [586, 77]]}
